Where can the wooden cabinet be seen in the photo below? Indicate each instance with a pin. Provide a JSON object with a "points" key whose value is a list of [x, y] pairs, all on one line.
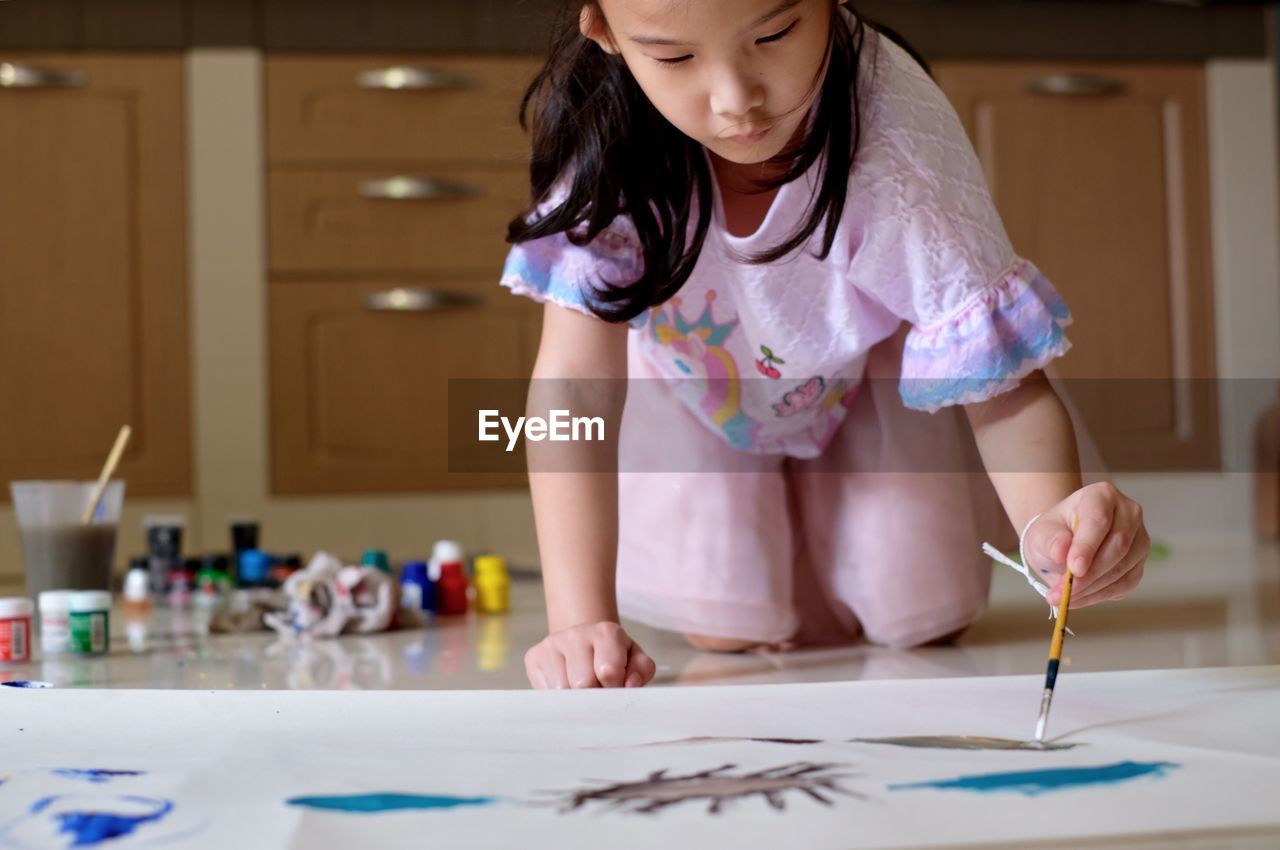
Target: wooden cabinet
{"points": [[391, 180], [1100, 174], [397, 108], [360, 384], [93, 300], [351, 220]]}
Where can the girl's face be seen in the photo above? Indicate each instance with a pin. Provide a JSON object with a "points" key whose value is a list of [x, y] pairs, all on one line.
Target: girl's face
{"points": [[738, 76]]}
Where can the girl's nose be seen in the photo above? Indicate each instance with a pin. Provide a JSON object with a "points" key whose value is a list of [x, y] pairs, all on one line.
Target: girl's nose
{"points": [[735, 93]]}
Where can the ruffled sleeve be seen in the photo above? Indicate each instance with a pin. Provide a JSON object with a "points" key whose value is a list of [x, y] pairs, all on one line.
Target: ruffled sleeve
{"points": [[933, 251], [553, 269], [1003, 334]]}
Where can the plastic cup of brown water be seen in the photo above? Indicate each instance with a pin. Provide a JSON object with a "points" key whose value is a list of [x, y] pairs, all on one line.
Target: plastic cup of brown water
{"points": [[58, 551]]}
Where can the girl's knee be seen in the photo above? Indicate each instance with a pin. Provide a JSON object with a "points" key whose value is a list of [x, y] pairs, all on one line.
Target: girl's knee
{"points": [[916, 635], [716, 644]]}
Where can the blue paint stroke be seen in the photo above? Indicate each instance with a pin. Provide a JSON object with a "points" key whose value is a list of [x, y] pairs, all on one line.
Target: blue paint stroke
{"points": [[384, 802], [97, 776], [90, 828], [21, 684], [1034, 782]]}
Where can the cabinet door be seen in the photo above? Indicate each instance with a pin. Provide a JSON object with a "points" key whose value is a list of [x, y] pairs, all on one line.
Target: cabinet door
{"points": [[93, 304], [359, 395], [1100, 174]]}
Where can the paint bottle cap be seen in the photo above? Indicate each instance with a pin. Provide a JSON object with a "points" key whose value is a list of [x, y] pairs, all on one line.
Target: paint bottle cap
{"points": [[244, 534], [376, 558], [83, 601], [446, 550], [137, 585], [15, 606], [451, 569], [54, 601], [415, 572], [491, 565]]}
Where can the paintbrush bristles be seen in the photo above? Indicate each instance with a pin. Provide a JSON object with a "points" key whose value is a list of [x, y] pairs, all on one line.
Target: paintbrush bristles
{"points": [[108, 469]]}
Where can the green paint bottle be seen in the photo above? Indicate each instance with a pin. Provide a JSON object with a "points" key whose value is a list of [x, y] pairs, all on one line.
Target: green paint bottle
{"points": [[89, 620]]}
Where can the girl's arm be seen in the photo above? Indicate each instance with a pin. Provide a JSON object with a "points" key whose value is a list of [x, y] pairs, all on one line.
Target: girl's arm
{"points": [[1028, 446], [582, 368]]}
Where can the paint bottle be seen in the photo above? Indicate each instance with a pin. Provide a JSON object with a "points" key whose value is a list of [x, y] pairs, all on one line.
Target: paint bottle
{"points": [[444, 550], [15, 628], [284, 566], [253, 568], [493, 585], [55, 628], [90, 622], [164, 549], [416, 589], [451, 590], [377, 559], [137, 593], [213, 583], [244, 536], [182, 583]]}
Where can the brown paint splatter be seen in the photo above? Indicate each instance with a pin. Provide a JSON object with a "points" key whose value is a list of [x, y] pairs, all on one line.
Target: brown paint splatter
{"points": [[714, 787]]}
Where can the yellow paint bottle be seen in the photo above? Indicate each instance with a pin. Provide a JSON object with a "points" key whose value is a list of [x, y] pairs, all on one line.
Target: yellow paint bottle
{"points": [[492, 584]]}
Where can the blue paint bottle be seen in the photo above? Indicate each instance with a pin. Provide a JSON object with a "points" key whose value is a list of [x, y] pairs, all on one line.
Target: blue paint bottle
{"points": [[253, 568], [416, 588]]}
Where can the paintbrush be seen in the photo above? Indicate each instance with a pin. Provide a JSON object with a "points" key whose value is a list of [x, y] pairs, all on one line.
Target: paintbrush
{"points": [[107, 470], [1055, 652]]}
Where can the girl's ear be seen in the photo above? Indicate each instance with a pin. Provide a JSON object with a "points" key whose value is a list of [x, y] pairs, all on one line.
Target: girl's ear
{"points": [[593, 25]]}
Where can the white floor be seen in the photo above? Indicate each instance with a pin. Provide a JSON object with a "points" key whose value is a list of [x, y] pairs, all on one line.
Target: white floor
{"points": [[1208, 603]]}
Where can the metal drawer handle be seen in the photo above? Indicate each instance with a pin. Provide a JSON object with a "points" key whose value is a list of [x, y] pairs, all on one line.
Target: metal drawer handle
{"points": [[15, 76], [404, 188], [1075, 84], [418, 300], [399, 77]]}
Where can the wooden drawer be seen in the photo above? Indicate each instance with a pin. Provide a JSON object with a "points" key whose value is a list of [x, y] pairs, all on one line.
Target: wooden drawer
{"points": [[447, 108], [359, 396], [371, 221]]}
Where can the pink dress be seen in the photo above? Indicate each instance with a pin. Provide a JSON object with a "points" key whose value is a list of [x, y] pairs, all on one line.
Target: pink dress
{"points": [[769, 488]]}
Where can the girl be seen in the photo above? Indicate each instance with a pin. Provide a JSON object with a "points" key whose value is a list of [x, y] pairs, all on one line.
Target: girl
{"points": [[744, 200]]}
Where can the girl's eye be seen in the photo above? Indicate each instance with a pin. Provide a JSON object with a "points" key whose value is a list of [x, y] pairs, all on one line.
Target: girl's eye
{"points": [[778, 36], [675, 61]]}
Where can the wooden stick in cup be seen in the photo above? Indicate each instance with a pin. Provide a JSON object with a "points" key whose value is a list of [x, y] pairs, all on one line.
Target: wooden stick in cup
{"points": [[107, 470]]}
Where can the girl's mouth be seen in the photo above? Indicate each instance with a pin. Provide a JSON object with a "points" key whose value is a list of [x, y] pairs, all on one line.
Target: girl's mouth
{"points": [[749, 138]]}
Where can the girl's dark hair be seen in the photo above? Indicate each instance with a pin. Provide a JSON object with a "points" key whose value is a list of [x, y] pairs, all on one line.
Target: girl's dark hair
{"points": [[589, 119]]}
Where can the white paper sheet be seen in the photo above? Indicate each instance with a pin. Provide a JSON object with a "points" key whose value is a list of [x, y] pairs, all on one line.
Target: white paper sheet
{"points": [[227, 763]]}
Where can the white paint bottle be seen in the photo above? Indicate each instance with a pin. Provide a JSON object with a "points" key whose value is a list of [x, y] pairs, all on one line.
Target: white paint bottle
{"points": [[55, 625]]}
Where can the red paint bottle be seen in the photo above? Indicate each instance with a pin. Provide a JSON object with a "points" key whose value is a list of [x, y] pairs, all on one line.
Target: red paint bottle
{"points": [[451, 590]]}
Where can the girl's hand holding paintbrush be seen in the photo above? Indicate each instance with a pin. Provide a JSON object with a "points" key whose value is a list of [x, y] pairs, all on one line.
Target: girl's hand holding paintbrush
{"points": [[1106, 553]]}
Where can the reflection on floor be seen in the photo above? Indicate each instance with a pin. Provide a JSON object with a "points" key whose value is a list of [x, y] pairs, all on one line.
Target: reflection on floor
{"points": [[1210, 603]]}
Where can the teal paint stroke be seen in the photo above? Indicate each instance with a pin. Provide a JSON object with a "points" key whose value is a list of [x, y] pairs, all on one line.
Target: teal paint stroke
{"points": [[366, 804], [1034, 782]]}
